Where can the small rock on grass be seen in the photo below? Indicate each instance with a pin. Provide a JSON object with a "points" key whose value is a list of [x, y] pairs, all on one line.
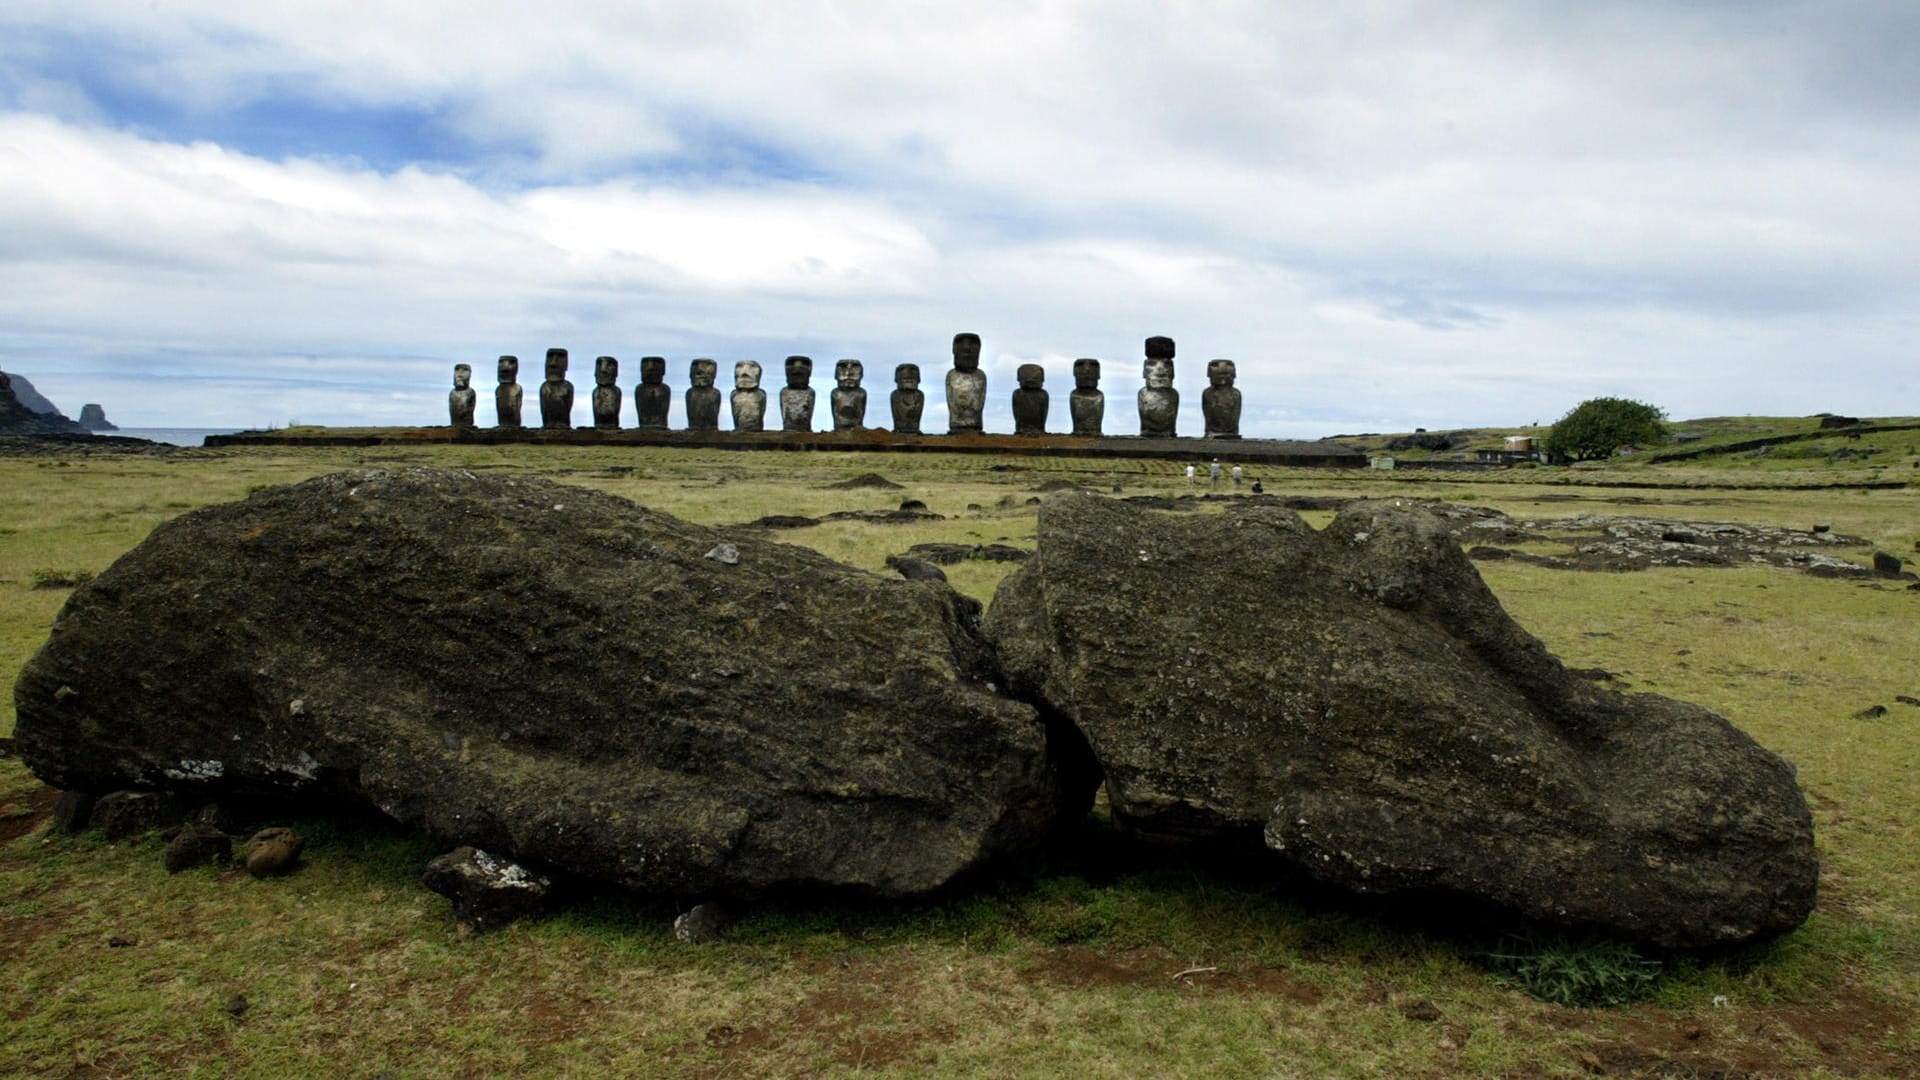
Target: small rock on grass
{"points": [[198, 845], [72, 812], [124, 813], [1871, 712], [273, 851], [701, 923], [487, 891]]}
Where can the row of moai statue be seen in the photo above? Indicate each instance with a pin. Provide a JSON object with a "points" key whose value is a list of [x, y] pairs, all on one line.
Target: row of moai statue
{"points": [[1158, 401]]}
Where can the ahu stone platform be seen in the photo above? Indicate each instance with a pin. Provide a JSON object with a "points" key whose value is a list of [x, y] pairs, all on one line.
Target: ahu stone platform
{"points": [[1273, 452]]}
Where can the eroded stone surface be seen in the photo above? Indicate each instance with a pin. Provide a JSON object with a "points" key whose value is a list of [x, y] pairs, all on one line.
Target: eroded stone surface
{"points": [[551, 674], [1358, 698], [966, 386]]}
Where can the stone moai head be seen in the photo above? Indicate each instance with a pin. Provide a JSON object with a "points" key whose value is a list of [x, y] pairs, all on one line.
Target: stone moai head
{"points": [[509, 369], [1158, 370], [605, 370], [653, 370], [847, 373], [556, 364], [1031, 377], [462, 375], [1086, 374], [702, 372], [1220, 372], [907, 376], [746, 375], [799, 372], [966, 352]]}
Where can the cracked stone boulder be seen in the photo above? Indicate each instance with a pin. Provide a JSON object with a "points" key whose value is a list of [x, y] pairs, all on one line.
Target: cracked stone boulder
{"points": [[1357, 698], [551, 674]]}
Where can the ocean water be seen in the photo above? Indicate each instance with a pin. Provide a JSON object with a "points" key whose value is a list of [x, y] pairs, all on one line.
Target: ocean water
{"points": [[173, 436]]}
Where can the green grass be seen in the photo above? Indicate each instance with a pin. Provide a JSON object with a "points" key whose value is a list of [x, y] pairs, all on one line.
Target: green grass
{"points": [[1104, 961]]}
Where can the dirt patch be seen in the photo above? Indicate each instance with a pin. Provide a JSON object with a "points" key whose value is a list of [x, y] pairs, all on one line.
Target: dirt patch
{"points": [[860, 1015], [1855, 1035], [1080, 968], [18, 817]]}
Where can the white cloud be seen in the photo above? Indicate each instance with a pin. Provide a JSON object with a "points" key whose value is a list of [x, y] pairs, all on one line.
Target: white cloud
{"points": [[1404, 212]]}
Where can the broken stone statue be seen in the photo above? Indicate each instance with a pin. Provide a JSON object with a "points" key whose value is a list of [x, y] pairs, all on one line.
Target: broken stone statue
{"points": [[1355, 700], [372, 638]]}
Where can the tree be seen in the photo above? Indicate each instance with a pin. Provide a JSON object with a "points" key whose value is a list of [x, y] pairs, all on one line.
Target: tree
{"points": [[1597, 427]]}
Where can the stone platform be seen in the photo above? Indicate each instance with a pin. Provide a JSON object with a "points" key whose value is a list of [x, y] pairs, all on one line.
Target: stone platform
{"points": [[1276, 452]]}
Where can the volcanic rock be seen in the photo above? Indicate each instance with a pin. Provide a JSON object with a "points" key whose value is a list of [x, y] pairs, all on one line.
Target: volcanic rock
{"points": [[94, 418], [121, 814], [487, 892], [554, 675], [1358, 697], [198, 845], [17, 417], [272, 852]]}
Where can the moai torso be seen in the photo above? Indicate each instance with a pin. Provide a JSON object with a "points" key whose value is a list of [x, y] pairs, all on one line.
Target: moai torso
{"points": [[652, 398], [1030, 401], [849, 398], [966, 386], [703, 401], [506, 398], [1087, 404], [606, 393], [556, 394], [796, 398], [461, 399], [749, 402], [907, 400], [1220, 401], [1159, 401]]}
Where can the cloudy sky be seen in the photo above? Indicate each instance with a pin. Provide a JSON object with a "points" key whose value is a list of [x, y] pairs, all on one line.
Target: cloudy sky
{"points": [[1391, 215]]}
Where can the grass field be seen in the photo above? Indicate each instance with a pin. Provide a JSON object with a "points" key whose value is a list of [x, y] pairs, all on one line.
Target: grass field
{"points": [[1108, 962]]}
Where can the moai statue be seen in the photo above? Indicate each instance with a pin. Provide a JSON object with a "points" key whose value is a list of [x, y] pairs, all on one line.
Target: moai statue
{"points": [[556, 394], [1159, 401], [966, 386], [908, 400], [1087, 404], [506, 399], [461, 400], [849, 398], [703, 401], [796, 398], [606, 393], [1030, 401], [652, 398], [748, 401], [1220, 401]]}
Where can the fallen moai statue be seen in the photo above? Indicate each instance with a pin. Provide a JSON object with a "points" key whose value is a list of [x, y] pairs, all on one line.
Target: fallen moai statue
{"points": [[566, 680], [1358, 697], [552, 674]]}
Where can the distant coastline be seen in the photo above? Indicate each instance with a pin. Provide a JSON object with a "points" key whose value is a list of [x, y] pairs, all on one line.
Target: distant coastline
{"points": [[174, 436]]}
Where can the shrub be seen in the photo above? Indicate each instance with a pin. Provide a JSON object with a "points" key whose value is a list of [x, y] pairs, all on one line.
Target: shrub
{"points": [[1597, 427]]}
